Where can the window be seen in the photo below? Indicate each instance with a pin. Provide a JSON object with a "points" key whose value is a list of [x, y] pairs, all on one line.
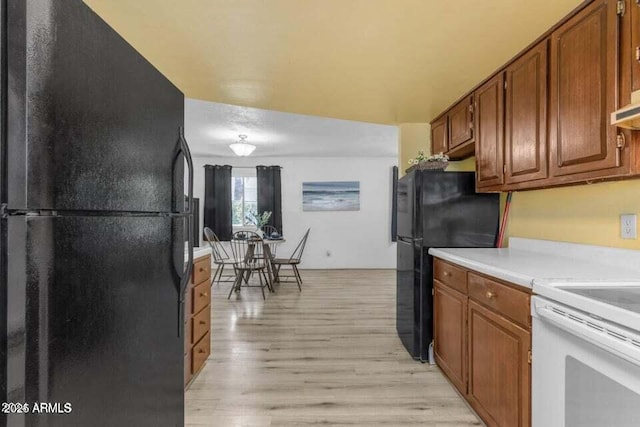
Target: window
{"points": [[244, 199]]}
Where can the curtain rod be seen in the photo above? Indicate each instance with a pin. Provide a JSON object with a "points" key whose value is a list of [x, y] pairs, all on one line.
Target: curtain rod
{"points": [[247, 167], [253, 167]]}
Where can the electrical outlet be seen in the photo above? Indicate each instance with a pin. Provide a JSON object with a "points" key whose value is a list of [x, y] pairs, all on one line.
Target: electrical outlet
{"points": [[628, 226]]}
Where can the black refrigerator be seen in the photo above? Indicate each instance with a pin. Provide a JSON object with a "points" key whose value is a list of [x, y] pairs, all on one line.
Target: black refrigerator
{"points": [[94, 224], [435, 209]]}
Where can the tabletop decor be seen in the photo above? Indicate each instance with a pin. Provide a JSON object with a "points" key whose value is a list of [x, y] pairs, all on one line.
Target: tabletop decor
{"points": [[331, 196], [259, 220], [438, 161]]}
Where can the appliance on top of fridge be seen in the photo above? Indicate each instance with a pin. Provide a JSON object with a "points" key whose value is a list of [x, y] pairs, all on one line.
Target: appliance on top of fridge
{"points": [[435, 209], [93, 225]]}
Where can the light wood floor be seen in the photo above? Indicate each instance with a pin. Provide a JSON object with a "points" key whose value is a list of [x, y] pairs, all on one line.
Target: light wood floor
{"points": [[326, 356]]}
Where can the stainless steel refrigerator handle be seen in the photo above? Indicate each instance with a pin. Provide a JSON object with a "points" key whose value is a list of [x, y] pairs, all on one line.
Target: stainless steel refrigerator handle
{"points": [[183, 148]]}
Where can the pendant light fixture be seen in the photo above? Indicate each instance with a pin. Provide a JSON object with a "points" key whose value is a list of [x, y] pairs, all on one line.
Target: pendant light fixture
{"points": [[242, 147]]}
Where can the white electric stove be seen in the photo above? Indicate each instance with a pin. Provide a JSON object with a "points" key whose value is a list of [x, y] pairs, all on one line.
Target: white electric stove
{"points": [[586, 354]]}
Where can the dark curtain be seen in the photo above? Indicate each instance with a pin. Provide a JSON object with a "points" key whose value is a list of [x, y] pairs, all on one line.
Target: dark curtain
{"points": [[217, 200], [270, 194]]}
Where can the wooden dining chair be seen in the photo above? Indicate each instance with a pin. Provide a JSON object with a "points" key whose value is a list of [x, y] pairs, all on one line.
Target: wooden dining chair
{"points": [[248, 254], [221, 258], [293, 261], [270, 231]]}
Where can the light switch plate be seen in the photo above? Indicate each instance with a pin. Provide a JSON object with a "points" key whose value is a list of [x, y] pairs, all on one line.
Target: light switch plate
{"points": [[628, 226]]}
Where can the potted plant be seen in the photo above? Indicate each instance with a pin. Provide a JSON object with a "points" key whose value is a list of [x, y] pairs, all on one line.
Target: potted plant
{"points": [[438, 161], [259, 220]]}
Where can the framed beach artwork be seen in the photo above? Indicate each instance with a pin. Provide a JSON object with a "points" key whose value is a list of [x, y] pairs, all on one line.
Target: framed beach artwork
{"points": [[331, 196]]}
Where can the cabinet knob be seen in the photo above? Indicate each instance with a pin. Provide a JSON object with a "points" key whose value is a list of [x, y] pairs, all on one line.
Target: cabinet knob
{"points": [[202, 322], [201, 350], [490, 294], [201, 269], [204, 294], [447, 274]]}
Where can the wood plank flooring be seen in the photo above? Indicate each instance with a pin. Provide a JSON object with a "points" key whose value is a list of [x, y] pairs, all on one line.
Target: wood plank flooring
{"points": [[328, 355]]}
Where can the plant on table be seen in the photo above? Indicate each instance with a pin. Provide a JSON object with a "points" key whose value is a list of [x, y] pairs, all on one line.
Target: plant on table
{"points": [[259, 220]]}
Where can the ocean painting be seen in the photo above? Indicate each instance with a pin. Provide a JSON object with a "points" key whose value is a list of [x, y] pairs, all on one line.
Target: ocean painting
{"points": [[331, 196]]}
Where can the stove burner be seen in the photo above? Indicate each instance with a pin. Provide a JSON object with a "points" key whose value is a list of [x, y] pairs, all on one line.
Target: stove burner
{"points": [[627, 298]]}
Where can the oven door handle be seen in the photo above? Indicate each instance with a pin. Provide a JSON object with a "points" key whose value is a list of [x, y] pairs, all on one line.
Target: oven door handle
{"points": [[592, 331]]}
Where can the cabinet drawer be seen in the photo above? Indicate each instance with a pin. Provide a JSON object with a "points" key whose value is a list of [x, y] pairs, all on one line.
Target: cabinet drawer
{"points": [[201, 324], [187, 368], [201, 270], [201, 353], [450, 275], [505, 300], [200, 297]]}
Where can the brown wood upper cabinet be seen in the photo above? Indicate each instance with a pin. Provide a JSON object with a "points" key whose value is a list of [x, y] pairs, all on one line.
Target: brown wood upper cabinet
{"points": [[439, 136], [543, 120], [526, 116], [489, 123], [635, 45], [584, 81], [461, 122]]}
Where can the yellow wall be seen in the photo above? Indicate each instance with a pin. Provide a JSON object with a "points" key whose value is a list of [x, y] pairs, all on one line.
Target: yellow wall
{"points": [[462, 166], [413, 138], [581, 214]]}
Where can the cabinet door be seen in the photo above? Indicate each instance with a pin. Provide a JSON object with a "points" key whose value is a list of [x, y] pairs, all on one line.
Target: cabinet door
{"points": [[439, 136], [584, 78], [635, 44], [489, 121], [499, 370], [461, 123], [526, 117], [450, 333]]}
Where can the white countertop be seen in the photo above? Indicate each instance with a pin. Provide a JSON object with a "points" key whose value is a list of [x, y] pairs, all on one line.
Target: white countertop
{"points": [[203, 250], [527, 261]]}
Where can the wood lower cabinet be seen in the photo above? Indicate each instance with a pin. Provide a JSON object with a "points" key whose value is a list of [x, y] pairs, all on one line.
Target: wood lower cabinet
{"points": [[584, 78], [439, 136], [489, 122], [450, 333], [197, 321], [482, 340], [525, 142], [499, 371]]}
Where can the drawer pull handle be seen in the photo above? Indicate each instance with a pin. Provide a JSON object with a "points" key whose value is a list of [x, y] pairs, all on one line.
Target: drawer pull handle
{"points": [[201, 351], [202, 322], [447, 274], [201, 269], [490, 294], [204, 294]]}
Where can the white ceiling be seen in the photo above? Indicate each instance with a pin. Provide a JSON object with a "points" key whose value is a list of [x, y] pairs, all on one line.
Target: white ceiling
{"points": [[210, 127]]}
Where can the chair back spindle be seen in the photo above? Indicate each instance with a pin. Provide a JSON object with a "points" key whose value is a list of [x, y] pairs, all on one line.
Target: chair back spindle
{"points": [[298, 251]]}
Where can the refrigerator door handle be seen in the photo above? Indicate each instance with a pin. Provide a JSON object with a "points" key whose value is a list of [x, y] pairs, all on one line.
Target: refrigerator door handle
{"points": [[183, 148], [409, 240]]}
